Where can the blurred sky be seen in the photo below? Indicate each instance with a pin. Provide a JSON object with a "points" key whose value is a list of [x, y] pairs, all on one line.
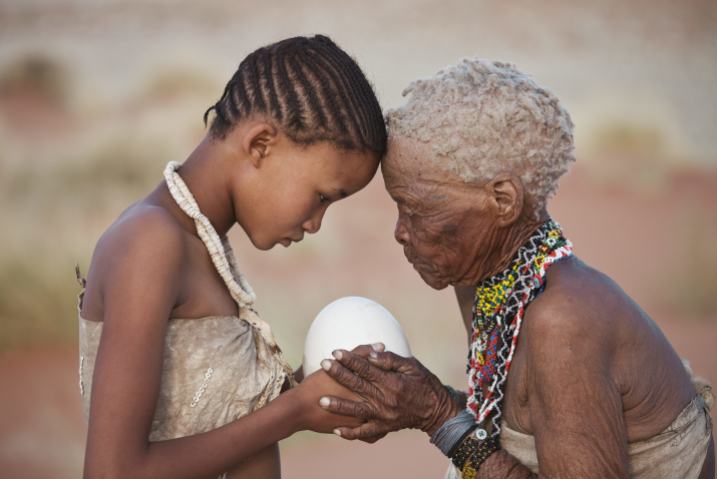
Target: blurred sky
{"points": [[651, 63]]}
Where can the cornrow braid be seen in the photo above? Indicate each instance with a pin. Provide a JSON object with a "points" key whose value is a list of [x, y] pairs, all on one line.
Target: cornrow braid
{"points": [[313, 105], [356, 102], [329, 84], [311, 88]]}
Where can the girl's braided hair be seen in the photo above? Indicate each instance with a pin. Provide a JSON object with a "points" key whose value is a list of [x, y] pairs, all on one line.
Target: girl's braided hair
{"points": [[311, 88]]}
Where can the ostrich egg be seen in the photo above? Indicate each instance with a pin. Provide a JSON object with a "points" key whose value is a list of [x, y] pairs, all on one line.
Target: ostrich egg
{"points": [[350, 322]]}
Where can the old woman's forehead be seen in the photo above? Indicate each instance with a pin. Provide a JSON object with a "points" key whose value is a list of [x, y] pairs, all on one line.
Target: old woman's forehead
{"points": [[414, 180], [408, 158], [421, 185], [410, 162], [406, 149]]}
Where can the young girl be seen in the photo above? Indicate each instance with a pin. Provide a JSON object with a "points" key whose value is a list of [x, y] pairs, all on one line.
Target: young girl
{"points": [[183, 376]]}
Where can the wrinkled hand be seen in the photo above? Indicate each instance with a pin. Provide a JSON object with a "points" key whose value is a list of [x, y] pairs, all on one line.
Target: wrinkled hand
{"points": [[397, 393]]}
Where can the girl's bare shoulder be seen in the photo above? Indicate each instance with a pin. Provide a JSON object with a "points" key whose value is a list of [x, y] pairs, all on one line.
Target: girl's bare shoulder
{"points": [[145, 244], [141, 229]]}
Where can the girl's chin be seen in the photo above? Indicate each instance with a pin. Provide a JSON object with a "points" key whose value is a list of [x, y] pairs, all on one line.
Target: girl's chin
{"points": [[262, 245]]}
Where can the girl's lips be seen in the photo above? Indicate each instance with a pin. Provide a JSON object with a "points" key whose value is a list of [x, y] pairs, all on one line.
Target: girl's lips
{"points": [[286, 242]]}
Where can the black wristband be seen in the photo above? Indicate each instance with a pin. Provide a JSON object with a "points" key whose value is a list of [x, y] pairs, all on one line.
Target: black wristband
{"points": [[463, 438], [453, 432]]}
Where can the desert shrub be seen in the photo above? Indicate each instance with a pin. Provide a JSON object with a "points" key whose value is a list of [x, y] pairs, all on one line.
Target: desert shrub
{"points": [[57, 210], [35, 74], [119, 169], [172, 85], [693, 287], [125, 164], [638, 156], [37, 301]]}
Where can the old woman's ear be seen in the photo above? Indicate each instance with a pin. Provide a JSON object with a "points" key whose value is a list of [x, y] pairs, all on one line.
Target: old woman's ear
{"points": [[507, 198]]}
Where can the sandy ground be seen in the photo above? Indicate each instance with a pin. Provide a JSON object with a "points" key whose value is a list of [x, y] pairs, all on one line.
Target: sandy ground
{"points": [[42, 432]]}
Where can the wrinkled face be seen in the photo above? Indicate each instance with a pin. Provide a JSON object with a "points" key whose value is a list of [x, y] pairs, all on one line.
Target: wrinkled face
{"points": [[444, 224], [295, 186]]}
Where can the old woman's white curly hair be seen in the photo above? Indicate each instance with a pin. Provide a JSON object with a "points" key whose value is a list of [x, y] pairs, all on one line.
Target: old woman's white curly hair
{"points": [[485, 118]]}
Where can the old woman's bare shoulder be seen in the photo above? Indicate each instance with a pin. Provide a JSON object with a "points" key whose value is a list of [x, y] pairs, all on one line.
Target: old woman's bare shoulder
{"points": [[583, 316]]}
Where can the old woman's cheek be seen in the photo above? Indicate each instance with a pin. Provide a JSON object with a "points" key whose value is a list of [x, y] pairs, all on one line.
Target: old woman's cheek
{"points": [[423, 241], [449, 228], [431, 255], [449, 235]]}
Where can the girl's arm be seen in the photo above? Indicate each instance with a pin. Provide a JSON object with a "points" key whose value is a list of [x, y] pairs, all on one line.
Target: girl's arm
{"points": [[141, 281]]}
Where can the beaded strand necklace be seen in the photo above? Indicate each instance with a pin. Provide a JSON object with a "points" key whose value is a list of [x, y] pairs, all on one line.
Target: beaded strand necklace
{"points": [[497, 316], [225, 262]]}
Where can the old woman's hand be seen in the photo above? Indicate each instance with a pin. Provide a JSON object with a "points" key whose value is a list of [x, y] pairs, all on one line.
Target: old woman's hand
{"points": [[398, 393]]}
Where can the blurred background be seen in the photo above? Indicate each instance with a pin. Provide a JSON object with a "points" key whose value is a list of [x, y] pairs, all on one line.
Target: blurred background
{"points": [[96, 96]]}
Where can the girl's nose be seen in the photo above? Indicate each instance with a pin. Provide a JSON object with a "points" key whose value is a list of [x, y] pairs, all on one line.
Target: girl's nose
{"points": [[313, 224]]}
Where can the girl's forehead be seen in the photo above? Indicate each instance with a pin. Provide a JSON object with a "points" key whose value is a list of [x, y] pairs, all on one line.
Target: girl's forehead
{"points": [[350, 171]]}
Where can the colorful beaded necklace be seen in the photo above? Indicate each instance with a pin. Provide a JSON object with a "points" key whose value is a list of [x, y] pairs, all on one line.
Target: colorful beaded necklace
{"points": [[497, 316]]}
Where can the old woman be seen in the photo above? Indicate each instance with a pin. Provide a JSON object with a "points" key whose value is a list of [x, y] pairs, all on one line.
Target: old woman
{"points": [[567, 376]]}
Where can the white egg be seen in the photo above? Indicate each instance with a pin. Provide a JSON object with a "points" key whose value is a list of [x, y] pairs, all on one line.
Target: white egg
{"points": [[350, 322]]}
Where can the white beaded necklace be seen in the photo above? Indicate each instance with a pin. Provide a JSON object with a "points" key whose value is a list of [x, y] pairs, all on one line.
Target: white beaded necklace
{"points": [[225, 262], [219, 248]]}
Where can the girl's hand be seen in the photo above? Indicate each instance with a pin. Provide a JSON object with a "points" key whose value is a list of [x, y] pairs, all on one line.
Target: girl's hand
{"points": [[315, 418]]}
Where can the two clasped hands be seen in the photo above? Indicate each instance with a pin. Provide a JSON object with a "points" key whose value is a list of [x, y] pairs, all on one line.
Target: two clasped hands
{"points": [[393, 393]]}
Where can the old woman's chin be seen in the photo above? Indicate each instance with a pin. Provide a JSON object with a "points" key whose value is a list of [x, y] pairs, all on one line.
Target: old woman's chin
{"points": [[431, 276]]}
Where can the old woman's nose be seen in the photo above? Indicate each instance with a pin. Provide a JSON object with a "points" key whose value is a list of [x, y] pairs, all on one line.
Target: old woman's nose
{"points": [[401, 232]]}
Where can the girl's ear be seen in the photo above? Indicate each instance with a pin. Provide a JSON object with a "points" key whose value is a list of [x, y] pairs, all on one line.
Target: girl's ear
{"points": [[507, 197], [258, 142]]}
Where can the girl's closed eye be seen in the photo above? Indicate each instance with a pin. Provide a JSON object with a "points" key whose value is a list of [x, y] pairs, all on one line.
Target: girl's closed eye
{"points": [[323, 198]]}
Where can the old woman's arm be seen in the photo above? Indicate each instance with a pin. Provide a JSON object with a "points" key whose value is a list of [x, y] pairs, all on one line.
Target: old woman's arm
{"points": [[574, 401], [575, 407]]}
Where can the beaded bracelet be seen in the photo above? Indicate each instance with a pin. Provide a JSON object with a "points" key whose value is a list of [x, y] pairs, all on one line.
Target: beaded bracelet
{"points": [[484, 451], [464, 451], [458, 443], [470, 455]]}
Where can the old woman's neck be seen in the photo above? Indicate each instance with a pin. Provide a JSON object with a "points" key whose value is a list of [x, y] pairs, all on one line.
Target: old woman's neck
{"points": [[500, 247]]}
